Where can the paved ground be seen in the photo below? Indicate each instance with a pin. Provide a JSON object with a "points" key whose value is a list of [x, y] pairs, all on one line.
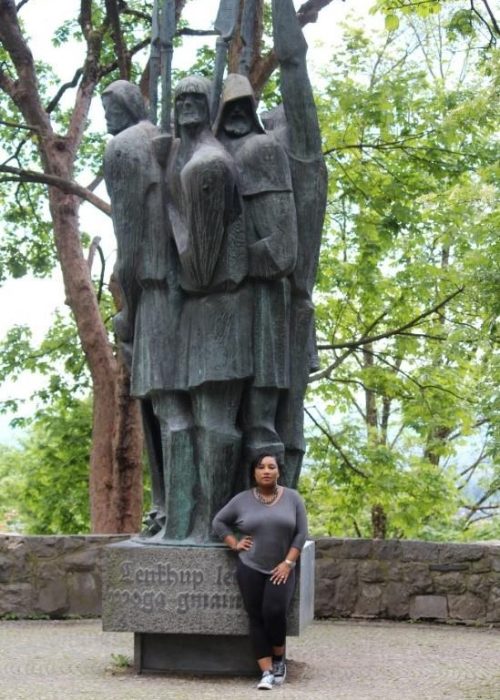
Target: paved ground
{"points": [[334, 660]]}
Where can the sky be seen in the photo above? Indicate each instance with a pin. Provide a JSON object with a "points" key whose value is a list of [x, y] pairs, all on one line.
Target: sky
{"points": [[32, 301]]}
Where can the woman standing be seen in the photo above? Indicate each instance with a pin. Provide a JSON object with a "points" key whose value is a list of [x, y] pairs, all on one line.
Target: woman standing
{"points": [[271, 524]]}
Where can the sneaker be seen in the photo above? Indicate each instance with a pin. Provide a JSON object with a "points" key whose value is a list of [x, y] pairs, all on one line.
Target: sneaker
{"points": [[279, 671], [266, 682]]}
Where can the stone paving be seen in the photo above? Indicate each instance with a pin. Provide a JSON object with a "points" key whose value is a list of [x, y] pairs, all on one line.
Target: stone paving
{"points": [[43, 660]]}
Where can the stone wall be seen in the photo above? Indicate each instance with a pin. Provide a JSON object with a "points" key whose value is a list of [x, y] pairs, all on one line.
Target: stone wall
{"points": [[402, 580], [51, 576], [388, 579]]}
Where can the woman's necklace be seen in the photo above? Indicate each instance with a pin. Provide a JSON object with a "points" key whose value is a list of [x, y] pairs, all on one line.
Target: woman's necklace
{"points": [[267, 500]]}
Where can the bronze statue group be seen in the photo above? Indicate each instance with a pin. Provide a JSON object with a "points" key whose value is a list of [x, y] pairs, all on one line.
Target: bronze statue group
{"points": [[218, 228]]}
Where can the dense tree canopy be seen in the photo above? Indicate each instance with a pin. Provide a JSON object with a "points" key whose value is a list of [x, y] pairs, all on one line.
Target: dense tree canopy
{"points": [[407, 421]]}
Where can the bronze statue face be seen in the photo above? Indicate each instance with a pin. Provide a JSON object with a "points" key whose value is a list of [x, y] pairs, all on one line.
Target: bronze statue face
{"points": [[191, 109], [237, 119], [118, 118]]}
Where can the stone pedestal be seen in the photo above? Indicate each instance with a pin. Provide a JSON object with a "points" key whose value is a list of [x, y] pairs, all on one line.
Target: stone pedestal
{"points": [[184, 607]]}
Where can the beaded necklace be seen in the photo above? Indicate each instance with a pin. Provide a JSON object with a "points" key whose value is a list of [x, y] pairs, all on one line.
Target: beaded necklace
{"points": [[266, 500]]}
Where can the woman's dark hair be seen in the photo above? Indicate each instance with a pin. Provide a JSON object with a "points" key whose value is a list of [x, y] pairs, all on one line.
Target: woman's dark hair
{"points": [[255, 463]]}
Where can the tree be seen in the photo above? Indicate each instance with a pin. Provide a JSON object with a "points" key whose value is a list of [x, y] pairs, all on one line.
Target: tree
{"points": [[50, 147], [407, 308], [54, 140]]}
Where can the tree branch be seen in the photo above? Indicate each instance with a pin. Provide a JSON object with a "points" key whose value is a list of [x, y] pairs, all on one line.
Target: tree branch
{"points": [[24, 90], [266, 65], [477, 424], [422, 387], [365, 340], [110, 67], [469, 471], [336, 445], [67, 186], [492, 16], [16, 125], [483, 21], [478, 506], [66, 86], [123, 58], [338, 360]]}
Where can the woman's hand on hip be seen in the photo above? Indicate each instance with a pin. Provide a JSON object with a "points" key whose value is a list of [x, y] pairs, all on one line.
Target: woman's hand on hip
{"points": [[280, 573], [245, 543]]}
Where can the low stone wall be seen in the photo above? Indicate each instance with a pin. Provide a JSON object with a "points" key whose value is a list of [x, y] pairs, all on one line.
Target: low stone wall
{"points": [[387, 579], [405, 579], [51, 576]]}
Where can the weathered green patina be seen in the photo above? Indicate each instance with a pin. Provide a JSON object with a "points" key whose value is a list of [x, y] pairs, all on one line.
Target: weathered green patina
{"points": [[218, 232]]}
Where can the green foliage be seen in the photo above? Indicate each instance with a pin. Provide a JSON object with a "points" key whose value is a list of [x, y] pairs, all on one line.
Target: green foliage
{"points": [[58, 358], [404, 414], [340, 489], [460, 19], [121, 661], [47, 477], [9, 491]]}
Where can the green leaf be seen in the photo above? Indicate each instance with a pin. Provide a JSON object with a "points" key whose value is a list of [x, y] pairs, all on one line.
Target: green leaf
{"points": [[391, 23]]}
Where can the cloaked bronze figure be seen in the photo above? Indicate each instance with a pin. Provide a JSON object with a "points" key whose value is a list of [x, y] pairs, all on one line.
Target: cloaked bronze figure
{"points": [[146, 325], [218, 244], [213, 358], [269, 217]]}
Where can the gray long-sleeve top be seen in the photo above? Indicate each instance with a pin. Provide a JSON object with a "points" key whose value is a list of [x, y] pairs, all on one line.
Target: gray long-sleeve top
{"points": [[274, 528]]}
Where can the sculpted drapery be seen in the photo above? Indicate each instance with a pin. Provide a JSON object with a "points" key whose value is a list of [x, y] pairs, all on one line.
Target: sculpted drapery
{"points": [[218, 244]]}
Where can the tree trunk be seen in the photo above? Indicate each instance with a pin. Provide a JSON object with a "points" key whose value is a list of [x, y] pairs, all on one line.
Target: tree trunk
{"points": [[115, 463], [371, 411], [379, 522], [128, 451]]}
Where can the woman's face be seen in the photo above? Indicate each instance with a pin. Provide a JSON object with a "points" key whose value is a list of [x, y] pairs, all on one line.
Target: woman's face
{"points": [[266, 472]]}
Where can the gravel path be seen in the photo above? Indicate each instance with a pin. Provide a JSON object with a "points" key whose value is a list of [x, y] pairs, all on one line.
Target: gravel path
{"points": [[68, 660]]}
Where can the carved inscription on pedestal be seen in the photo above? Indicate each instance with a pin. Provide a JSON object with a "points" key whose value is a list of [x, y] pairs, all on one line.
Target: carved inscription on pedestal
{"points": [[181, 589], [162, 587], [186, 590]]}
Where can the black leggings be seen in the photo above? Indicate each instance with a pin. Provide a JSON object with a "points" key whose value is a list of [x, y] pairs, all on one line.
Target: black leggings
{"points": [[267, 606]]}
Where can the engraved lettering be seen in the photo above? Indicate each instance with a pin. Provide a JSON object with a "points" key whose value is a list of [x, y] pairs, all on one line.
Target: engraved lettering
{"points": [[205, 601], [161, 574], [225, 577], [126, 571], [182, 603], [146, 601], [172, 577], [215, 602]]}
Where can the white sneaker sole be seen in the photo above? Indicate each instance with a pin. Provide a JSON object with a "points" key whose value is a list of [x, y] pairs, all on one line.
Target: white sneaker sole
{"points": [[266, 684]]}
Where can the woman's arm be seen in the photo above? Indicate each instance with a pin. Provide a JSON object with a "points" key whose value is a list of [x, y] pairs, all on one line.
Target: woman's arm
{"points": [[300, 535], [223, 522], [237, 545], [281, 572]]}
